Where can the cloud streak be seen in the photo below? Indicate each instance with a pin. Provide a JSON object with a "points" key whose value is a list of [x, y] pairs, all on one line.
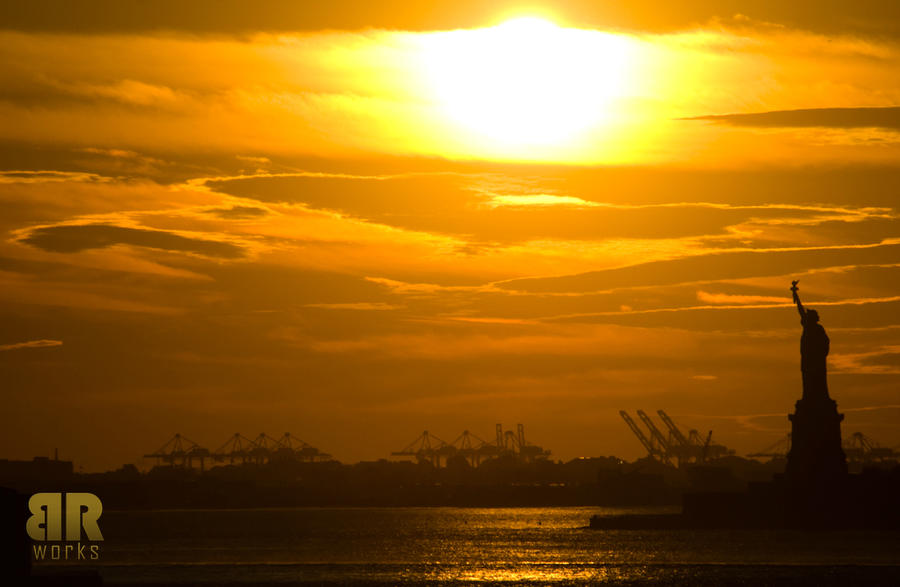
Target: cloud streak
{"points": [[31, 344], [888, 118], [48, 176], [73, 238], [722, 303]]}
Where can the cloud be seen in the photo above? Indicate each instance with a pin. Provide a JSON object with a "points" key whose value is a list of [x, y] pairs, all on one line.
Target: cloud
{"points": [[72, 238], [888, 118], [491, 320], [539, 200], [884, 361], [747, 422], [731, 299], [40, 176], [124, 154], [238, 212], [235, 17], [356, 306], [402, 287], [722, 304], [471, 206], [31, 344], [714, 265], [332, 92], [251, 159], [129, 92], [600, 343], [872, 408]]}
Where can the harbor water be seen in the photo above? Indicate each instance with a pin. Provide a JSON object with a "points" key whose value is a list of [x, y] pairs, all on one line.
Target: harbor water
{"points": [[463, 546]]}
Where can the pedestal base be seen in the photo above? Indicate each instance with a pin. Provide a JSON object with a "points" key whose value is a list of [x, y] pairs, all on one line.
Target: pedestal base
{"points": [[816, 458]]}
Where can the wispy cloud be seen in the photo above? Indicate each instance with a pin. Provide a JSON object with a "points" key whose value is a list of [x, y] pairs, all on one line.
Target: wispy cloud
{"points": [[356, 306], [539, 200], [729, 306], [402, 287], [884, 360], [252, 159], [72, 238], [813, 117], [238, 212], [734, 299], [31, 344], [872, 408], [49, 176]]}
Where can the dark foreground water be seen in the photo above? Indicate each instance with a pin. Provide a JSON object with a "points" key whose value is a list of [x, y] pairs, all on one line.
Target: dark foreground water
{"points": [[456, 546]]}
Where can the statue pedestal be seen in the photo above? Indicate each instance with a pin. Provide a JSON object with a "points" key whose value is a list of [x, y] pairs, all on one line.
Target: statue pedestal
{"points": [[816, 473], [816, 458]]}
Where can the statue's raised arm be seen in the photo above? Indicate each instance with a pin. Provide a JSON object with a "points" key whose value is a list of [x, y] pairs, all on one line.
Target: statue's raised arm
{"points": [[800, 308]]}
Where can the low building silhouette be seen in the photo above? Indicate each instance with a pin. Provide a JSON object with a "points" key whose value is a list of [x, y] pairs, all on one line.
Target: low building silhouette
{"points": [[37, 469]]}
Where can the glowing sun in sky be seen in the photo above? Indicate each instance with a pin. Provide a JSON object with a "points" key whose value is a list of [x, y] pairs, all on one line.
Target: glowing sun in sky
{"points": [[527, 82]]}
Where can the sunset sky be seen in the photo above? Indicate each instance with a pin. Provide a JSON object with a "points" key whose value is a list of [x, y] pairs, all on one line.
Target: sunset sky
{"points": [[355, 221]]}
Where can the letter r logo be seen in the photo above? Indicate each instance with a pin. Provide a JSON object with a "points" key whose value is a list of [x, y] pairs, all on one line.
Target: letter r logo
{"points": [[82, 511]]}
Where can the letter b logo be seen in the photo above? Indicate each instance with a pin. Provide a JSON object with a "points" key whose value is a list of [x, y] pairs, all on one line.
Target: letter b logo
{"points": [[82, 511]]}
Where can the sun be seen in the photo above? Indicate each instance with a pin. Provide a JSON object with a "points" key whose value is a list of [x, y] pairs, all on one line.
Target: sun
{"points": [[526, 82]]}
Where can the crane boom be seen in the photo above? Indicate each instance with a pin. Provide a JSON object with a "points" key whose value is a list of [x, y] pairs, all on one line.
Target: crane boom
{"points": [[637, 432], [682, 440], [654, 431], [778, 450]]}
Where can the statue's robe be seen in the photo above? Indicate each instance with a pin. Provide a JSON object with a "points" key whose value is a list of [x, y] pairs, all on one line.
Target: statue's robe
{"points": [[814, 346]]}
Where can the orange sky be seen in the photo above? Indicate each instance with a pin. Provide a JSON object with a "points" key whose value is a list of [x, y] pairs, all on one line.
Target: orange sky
{"points": [[354, 227]]}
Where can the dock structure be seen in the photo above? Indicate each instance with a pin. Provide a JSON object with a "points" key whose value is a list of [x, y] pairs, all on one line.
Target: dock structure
{"points": [[861, 450], [182, 452], [674, 448], [473, 449], [426, 448], [236, 449], [778, 450]]}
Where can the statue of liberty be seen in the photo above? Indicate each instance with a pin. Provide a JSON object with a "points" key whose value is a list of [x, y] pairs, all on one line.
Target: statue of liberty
{"points": [[816, 462], [814, 346]]}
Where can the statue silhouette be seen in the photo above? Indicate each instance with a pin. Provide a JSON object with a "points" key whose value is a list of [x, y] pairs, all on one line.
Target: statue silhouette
{"points": [[816, 459], [814, 345]]}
